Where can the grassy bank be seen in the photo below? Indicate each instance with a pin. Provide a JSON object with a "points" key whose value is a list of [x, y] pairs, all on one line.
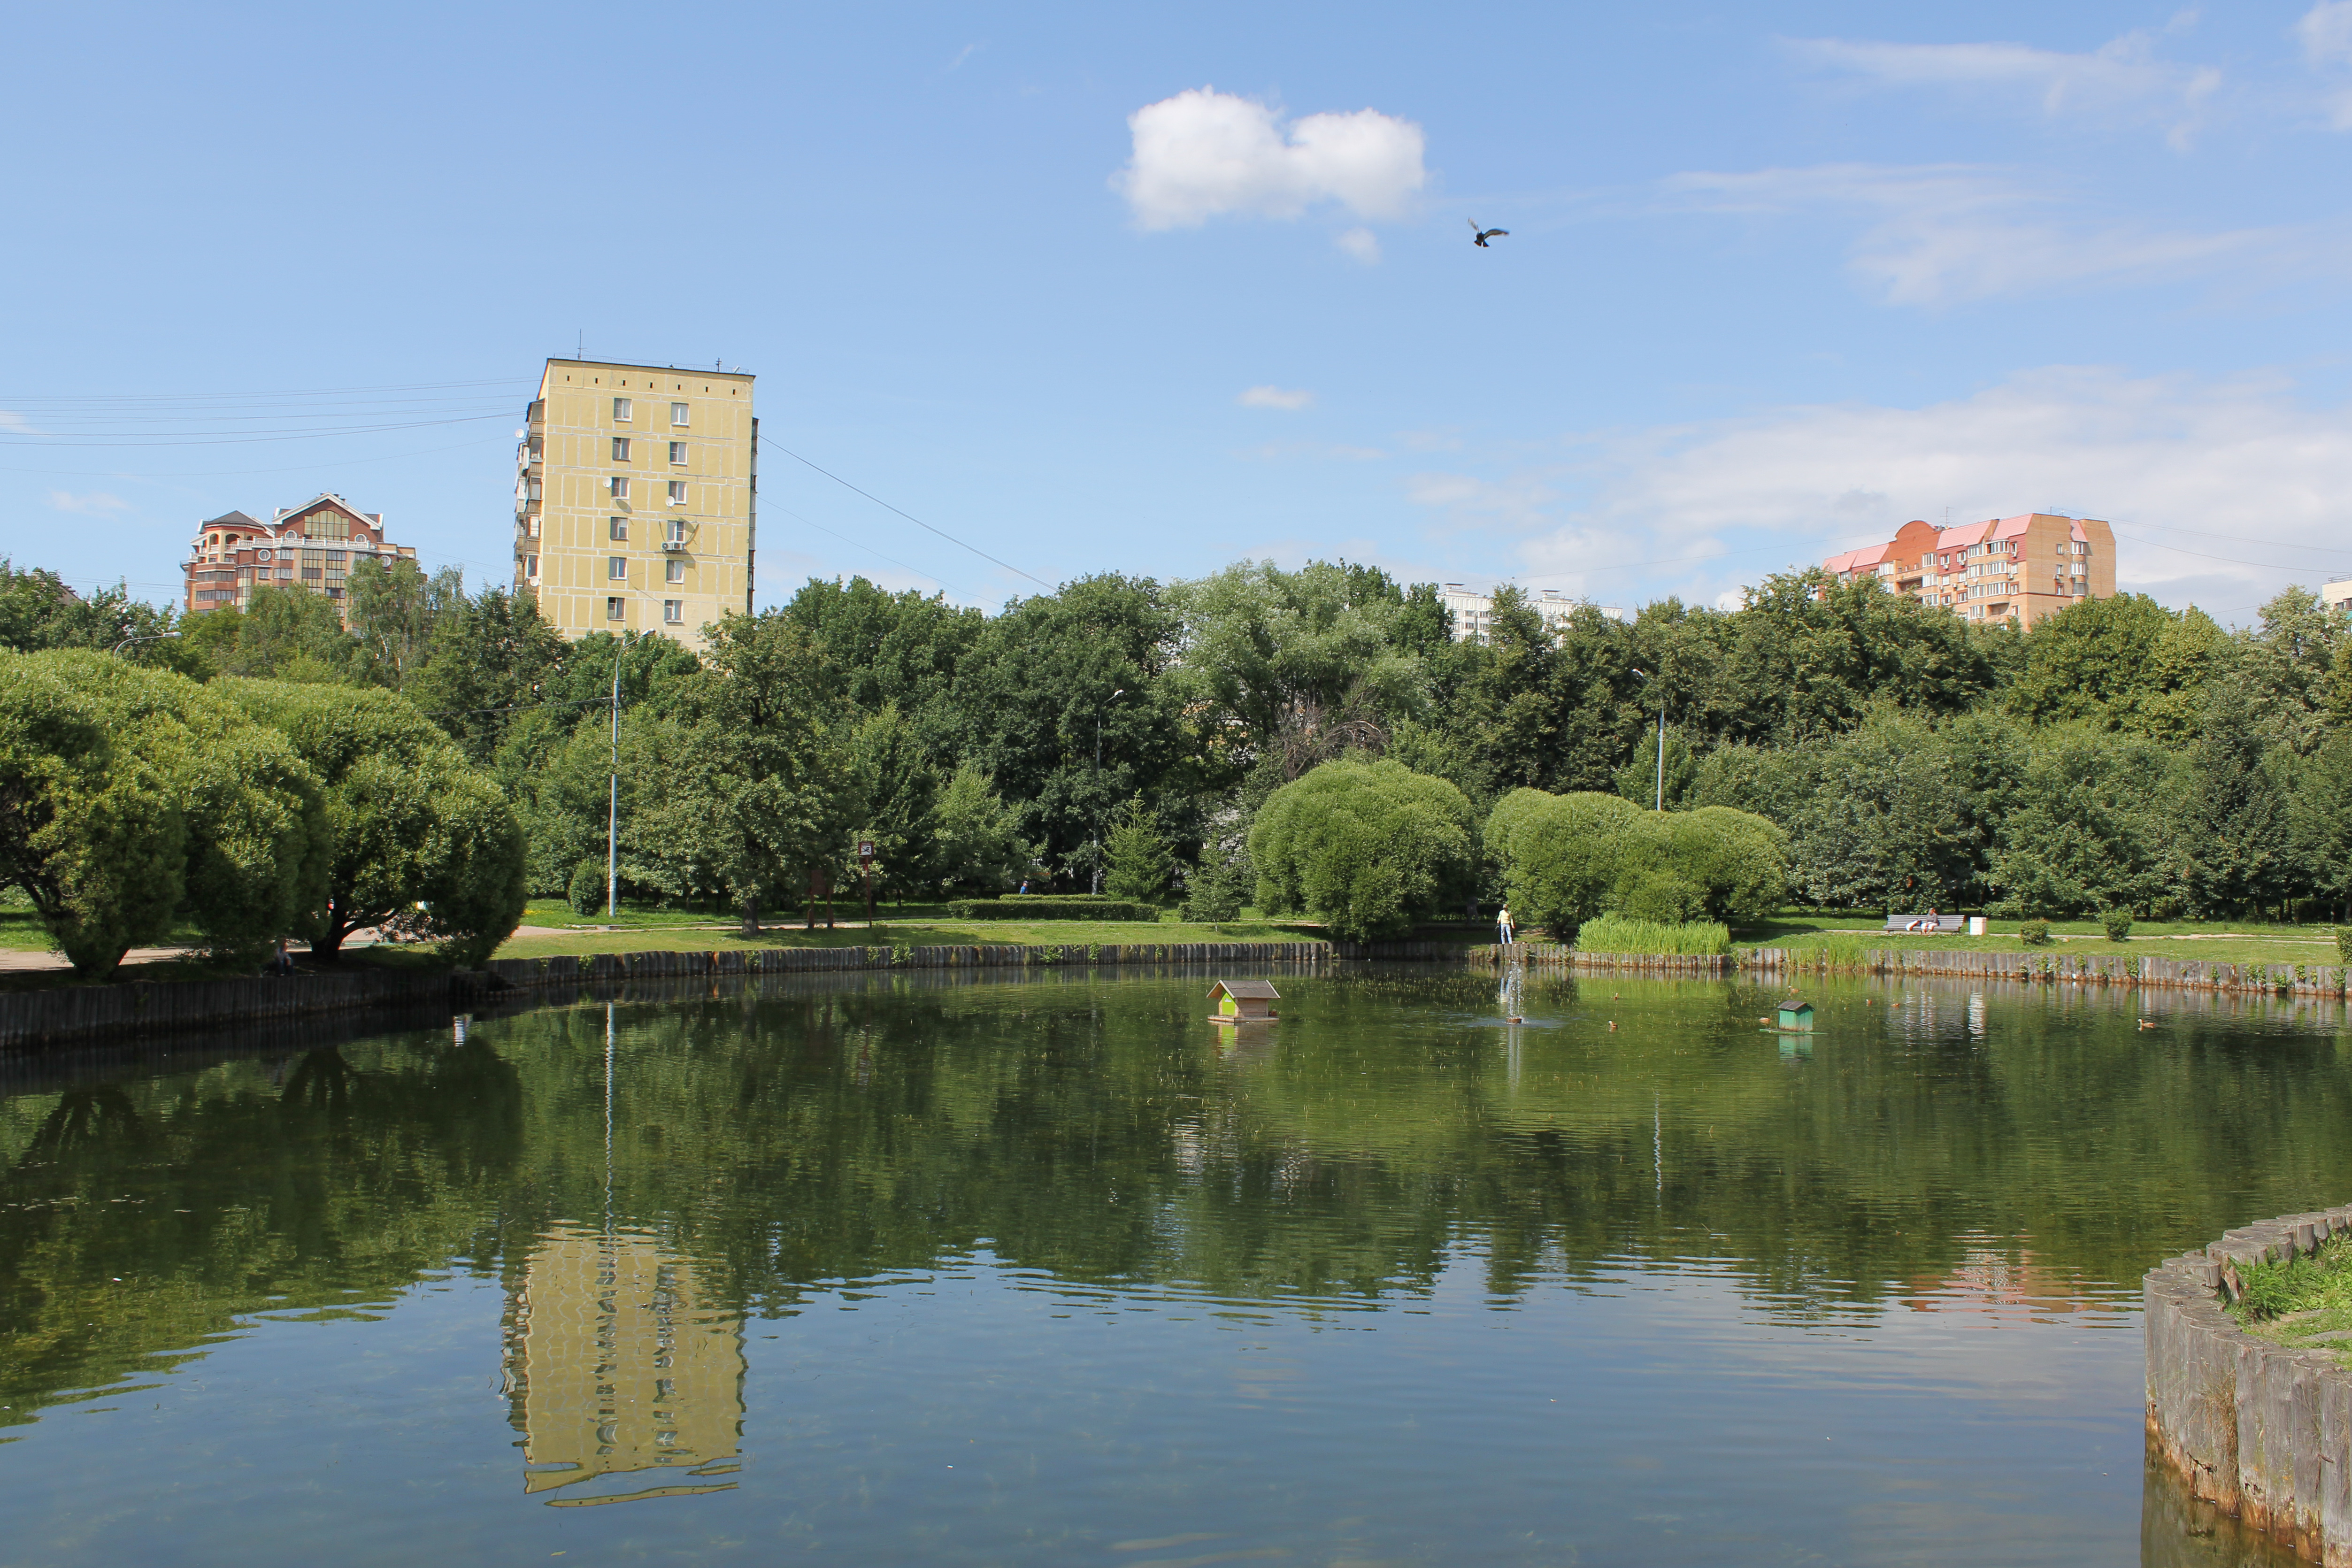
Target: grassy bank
{"points": [[2296, 1301], [1846, 937]]}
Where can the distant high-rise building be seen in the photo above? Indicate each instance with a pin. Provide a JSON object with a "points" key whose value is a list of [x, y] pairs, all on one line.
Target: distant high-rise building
{"points": [[1474, 614], [636, 498], [2021, 569], [312, 546]]}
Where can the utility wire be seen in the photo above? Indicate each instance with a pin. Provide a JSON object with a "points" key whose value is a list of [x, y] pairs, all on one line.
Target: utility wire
{"points": [[868, 549], [2202, 555], [909, 516], [86, 440]]}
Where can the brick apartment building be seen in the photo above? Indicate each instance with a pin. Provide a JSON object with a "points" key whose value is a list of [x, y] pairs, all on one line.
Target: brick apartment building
{"points": [[2021, 569], [311, 546]]}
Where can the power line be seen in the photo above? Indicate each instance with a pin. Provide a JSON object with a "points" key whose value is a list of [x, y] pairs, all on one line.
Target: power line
{"points": [[2234, 538], [868, 549], [2202, 555], [910, 517], [84, 441], [239, 473]]}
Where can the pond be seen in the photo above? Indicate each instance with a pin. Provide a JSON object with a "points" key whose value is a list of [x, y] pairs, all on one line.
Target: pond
{"points": [[962, 1269]]}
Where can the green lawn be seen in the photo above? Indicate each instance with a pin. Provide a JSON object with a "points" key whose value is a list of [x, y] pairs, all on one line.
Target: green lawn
{"points": [[2206, 942]]}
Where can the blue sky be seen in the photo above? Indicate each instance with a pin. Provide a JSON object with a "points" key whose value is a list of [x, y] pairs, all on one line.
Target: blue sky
{"points": [[1155, 288]]}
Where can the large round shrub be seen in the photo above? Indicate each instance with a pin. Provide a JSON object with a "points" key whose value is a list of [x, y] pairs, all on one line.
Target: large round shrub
{"points": [[1569, 859], [131, 799], [423, 843], [1368, 847], [1561, 855]]}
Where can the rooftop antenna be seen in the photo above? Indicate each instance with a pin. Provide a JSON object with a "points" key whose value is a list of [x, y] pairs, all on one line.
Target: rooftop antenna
{"points": [[579, 347]]}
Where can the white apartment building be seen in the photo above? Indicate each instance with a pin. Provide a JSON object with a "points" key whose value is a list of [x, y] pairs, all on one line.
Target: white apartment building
{"points": [[1475, 613], [2338, 596]]}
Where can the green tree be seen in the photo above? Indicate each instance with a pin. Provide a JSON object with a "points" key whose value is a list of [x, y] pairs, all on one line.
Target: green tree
{"points": [[1903, 815], [38, 611], [423, 844], [1637, 781], [489, 658], [2320, 821], [282, 634], [1305, 663], [755, 788], [2091, 828], [901, 788], [976, 844], [2231, 839], [392, 608], [1367, 846], [217, 819], [90, 830], [1141, 864]]}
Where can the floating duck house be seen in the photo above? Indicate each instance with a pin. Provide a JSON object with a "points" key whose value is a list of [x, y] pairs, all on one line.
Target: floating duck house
{"points": [[1796, 1014], [1242, 1001]]}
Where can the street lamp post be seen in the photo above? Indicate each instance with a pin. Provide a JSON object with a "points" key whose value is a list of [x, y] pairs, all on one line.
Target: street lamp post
{"points": [[159, 637], [1661, 690], [1099, 722], [613, 802]]}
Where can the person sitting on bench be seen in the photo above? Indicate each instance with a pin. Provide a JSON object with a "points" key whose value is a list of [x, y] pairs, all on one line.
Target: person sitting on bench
{"points": [[1928, 921]]}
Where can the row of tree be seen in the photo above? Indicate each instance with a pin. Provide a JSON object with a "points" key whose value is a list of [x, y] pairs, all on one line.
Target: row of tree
{"points": [[2119, 754]]}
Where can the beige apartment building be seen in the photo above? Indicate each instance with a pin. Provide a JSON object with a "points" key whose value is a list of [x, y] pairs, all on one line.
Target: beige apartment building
{"points": [[636, 498], [2021, 569]]}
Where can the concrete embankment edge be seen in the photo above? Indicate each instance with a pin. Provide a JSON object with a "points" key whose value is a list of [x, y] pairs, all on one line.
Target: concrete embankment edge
{"points": [[2262, 1431]]}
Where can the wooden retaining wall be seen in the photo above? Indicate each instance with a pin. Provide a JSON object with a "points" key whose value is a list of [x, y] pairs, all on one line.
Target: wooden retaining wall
{"points": [[144, 1010], [2262, 1431], [569, 970], [140, 1010], [2329, 980]]}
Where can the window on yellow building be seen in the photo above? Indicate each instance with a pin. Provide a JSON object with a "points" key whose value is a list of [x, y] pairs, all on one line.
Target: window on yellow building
{"points": [[616, 567], [620, 448], [678, 413], [621, 408], [674, 570], [677, 451], [617, 528]]}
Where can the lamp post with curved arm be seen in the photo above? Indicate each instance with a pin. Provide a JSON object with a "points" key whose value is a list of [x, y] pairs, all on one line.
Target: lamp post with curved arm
{"points": [[157, 636], [1098, 727]]}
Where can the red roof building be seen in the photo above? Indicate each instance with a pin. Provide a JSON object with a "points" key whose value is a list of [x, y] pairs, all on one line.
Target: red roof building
{"points": [[2021, 569], [312, 546]]}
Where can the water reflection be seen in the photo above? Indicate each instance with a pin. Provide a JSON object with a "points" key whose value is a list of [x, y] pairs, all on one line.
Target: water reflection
{"points": [[646, 1188], [616, 1362]]}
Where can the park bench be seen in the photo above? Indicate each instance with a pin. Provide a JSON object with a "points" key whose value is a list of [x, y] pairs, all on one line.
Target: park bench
{"points": [[1921, 925]]}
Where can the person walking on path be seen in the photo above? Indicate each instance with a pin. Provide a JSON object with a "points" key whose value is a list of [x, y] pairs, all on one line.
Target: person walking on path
{"points": [[1503, 925]]}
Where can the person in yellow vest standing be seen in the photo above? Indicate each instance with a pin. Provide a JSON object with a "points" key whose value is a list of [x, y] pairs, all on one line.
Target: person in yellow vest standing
{"points": [[1503, 925]]}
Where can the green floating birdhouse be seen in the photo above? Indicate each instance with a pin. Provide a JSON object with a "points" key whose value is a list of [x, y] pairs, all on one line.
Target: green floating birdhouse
{"points": [[1241, 1001], [1796, 1014]]}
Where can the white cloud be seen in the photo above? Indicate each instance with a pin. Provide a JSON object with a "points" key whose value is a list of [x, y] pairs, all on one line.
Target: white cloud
{"points": [[1291, 399], [1362, 244], [1941, 233], [1202, 153], [2119, 81], [1468, 500], [97, 503], [2325, 33], [2176, 463]]}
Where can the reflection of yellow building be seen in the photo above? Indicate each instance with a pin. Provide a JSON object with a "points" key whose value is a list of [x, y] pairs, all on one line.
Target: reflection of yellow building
{"points": [[615, 1364]]}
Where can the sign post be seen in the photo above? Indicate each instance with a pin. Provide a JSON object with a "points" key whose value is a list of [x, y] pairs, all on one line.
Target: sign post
{"points": [[866, 863]]}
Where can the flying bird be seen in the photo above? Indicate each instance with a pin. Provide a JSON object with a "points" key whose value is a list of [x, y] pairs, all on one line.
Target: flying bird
{"points": [[1479, 236]]}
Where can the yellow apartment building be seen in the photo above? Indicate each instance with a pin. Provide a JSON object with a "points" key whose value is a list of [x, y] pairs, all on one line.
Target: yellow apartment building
{"points": [[636, 498]]}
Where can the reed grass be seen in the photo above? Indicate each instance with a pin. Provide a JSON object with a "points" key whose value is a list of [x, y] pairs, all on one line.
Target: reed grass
{"points": [[1689, 938]]}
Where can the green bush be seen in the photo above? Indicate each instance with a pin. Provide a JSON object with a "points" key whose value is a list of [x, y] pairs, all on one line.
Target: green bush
{"points": [[2034, 933], [2344, 943], [1142, 865], [1567, 858], [2118, 924], [1679, 939], [1034, 906], [1367, 847], [588, 888]]}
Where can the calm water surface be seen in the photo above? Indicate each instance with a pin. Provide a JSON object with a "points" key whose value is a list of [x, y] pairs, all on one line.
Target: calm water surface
{"points": [[883, 1272]]}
